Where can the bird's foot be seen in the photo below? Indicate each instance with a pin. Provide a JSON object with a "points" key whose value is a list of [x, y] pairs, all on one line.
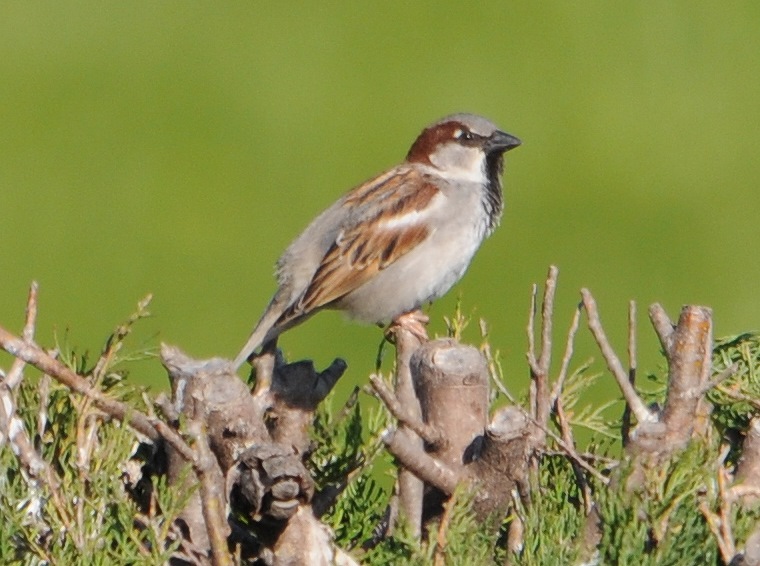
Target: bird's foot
{"points": [[264, 364], [414, 322]]}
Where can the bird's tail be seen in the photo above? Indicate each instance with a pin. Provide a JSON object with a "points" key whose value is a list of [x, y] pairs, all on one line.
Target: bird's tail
{"points": [[264, 331]]}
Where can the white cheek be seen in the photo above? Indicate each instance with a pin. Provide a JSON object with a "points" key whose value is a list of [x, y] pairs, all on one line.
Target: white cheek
{"points": [[469, 166]]}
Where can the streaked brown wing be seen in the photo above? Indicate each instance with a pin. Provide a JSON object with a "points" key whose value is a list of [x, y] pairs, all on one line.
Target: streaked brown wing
{"points": [[373, 242]]}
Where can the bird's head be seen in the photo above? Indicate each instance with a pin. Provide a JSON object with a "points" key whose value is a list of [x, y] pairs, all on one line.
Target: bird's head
{"points": [[463, 147]]}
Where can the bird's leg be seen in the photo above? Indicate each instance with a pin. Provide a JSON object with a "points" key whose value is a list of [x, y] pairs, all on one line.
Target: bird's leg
{"points": [[264, 364], [413, 321]]}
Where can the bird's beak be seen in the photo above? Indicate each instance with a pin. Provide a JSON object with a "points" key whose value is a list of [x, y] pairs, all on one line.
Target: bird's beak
{"points": [[501, 141]]}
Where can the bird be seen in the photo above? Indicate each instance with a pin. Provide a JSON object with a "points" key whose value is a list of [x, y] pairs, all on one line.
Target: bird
{"points": [[399, 240]]}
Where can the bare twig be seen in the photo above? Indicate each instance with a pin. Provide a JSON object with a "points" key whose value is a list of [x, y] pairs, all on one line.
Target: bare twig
{"points": [[43, 389], [167, 408], [12, 428], [632, 342], [547, 314], [606, 462], [515, 537], [540, 366], [532, 361], [569, 451], [16, 373], [440, 543], [494, 369], [720, 522], [569, 345], [640, 410], [625, 427], [663, 326], [567, 437], [741, 490], [738, 395], [727, 373], [429, 434], [725, 510], [411, 487], [152, 428], [172, 437], [420, 463], [212, 498]]}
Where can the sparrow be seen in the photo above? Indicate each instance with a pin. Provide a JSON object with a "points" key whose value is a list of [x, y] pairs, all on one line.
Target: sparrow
{"points": [[398, 241]]}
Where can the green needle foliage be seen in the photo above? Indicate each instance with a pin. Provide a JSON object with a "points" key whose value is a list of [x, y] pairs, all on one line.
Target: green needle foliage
{"points": [[554, 520], [666, 513], [90, 514], [737, 400]]}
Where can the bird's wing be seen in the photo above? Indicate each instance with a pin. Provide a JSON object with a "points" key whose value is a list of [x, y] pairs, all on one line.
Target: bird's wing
{"points": [[382, 220], [386, 221]]}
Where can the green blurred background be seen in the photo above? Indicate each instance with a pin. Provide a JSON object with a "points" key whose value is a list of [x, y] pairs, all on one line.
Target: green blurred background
{"points": [[176, 148]]}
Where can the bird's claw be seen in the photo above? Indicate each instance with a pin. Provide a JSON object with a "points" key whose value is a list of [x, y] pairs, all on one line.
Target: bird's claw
{"points": [[414, 322]]}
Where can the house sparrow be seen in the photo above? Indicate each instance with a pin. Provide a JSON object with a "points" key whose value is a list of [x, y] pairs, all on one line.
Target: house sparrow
{"points": [[398, 241]]}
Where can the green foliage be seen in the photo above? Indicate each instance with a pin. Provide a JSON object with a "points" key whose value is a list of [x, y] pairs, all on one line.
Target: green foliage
{"points": [[589, 417], [464, 540], [652, 514], [346, 447], [736, 400], [554, 520], [661, 521], [358, 512], [658, 522], [89, 515], [338, 442]]}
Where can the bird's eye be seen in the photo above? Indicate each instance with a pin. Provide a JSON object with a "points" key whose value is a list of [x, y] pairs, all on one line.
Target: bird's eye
{"points": [[465, 135]]}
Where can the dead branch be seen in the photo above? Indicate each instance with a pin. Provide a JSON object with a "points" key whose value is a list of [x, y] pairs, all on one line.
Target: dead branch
{"points": [[34, 355], [569, 441], [720, 522], [625, 427], [251, 448], [689, 363], [751, 554], [421, 464], [688, 350], [539, 367], [632, 342], [502, 465], [642, 413], [440, 543], [410, 486], [212, 494], [307, 541], [296, 392], [748, 468], [15, 374], [430, 434], [452, 384], [662, 324], [569, 346]]}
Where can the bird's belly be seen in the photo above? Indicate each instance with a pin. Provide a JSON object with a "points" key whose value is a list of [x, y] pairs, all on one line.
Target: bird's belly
{"points": [[423, 275]]}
